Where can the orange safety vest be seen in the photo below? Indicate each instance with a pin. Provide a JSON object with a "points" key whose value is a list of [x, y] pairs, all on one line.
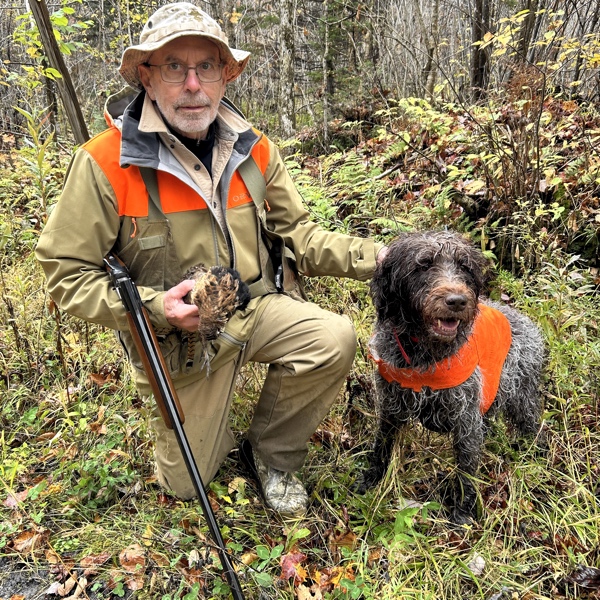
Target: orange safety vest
{"points": [[486, 347], [175, 195]]}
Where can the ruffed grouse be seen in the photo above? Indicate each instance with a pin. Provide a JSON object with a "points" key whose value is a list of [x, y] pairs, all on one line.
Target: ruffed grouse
{"points": [[218, 292]]}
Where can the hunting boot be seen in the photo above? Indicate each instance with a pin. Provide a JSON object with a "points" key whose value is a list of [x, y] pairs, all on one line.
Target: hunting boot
{"points": [[282, 491]]}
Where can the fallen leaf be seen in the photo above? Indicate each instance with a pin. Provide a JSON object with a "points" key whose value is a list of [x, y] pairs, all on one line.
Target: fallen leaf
{"points": [[133, 559], [114, 454], [186, 525], [339, 573], [193, 576], [136, 582], [375, 555], [91, 562], [28, 541], [305, 593], [214, 501], [476, 565], [99, 428], [347, 539], [159, 559], [291, 567], [52, 557], [236, 484], [165, 501], [79, 589], [99, 378], [248, 558], [63, 568], [67, 586], [13, 498], [53, 589], [194, 557]]}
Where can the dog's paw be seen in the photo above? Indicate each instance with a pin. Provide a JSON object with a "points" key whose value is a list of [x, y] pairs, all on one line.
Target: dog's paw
{"points": [[459, 516], [369, 479], [460, 499]]}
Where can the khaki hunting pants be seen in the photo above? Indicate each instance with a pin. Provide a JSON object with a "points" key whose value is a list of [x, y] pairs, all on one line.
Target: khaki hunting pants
{"points": [[309, 352]]}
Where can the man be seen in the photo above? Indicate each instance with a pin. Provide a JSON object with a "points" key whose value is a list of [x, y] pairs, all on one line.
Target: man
{"points": [[163, 187]]}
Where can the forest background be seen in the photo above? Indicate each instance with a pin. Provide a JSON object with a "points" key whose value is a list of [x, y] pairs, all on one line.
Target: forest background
{"points": [[480, 116]]}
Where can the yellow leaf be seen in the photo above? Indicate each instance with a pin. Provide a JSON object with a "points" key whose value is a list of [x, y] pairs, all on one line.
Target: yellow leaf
{"points": [[236, 484], [305, 593], [147, 536], [249, 557], [474, 186]]}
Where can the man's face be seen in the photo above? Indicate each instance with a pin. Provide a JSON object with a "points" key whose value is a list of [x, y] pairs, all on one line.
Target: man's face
{"points": [[188, 107]]}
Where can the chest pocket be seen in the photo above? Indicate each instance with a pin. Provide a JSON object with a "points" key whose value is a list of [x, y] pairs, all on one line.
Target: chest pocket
{"points": [[146, 244]]}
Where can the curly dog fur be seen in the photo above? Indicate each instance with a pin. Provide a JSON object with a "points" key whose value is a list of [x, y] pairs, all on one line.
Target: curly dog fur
{"points": [[426, 293]]}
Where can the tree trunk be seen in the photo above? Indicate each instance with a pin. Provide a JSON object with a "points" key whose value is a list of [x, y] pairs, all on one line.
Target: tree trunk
{"points": [[326, 75], [430, 40], [591, 25], [479, 57], [287, 114], [39, 10], [527, 29]]}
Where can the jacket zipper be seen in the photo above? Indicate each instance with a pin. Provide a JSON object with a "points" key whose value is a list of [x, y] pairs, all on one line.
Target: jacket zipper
{"points": [[232, 340]]}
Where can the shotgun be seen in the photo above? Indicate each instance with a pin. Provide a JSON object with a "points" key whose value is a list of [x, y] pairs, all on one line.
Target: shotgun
{"points": [[166, 397]]}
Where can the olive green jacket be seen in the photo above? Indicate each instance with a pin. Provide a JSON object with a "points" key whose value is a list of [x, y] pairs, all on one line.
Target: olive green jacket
{"points": [[88, 222]]}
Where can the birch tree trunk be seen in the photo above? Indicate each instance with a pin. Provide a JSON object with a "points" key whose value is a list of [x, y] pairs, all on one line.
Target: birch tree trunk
{"points": [[327, 84], [430, 39], [287, 113]]}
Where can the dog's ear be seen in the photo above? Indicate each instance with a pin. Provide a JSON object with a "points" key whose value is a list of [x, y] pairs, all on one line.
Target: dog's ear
{"points": [[386, 284], [482, 269], [488, 273]]}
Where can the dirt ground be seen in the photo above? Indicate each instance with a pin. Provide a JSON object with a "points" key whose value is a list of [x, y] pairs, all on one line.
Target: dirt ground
{"points": [[19, 581]]}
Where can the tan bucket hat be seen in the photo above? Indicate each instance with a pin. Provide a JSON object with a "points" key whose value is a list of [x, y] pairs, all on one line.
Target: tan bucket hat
{"points": [[173, 21]]}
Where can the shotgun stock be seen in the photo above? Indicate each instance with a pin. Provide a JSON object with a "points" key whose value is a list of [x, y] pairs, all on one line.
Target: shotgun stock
{"points": [[166, 398], [144, 338]]}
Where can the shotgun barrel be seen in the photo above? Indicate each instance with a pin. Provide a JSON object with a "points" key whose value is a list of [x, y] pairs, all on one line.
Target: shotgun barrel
{"points": [[166, 398]]}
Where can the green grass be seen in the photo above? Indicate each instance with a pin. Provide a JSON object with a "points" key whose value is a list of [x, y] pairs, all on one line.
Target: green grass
{"points": [[84, 453], [76, 467]]}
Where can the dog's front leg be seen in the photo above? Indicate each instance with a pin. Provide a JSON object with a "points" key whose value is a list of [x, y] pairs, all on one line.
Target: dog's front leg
{"points": [[467, 449], [379, 458], [389, 422]]}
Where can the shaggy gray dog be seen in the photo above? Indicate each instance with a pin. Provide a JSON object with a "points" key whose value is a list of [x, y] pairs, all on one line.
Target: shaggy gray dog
{"points": [[437, 345]]}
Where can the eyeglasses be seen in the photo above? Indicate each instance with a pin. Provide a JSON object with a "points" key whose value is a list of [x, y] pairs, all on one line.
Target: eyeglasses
{"points": [[206, 72]]}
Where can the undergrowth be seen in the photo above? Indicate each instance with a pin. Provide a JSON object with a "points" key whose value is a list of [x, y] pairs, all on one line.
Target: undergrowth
{"points": [[78, 496]]}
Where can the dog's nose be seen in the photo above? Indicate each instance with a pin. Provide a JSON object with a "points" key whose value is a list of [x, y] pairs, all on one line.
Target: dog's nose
{"points": [[456, 302]]}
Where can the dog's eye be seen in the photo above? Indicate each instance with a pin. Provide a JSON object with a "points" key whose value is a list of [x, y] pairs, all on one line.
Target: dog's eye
{"points": [[424, 265]]}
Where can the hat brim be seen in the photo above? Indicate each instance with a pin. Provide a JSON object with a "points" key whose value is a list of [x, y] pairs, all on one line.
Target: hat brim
{"points": [[236, 60]]}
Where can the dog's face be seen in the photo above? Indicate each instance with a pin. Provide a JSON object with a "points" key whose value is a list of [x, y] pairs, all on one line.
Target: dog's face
{"points": [[428, 284]]}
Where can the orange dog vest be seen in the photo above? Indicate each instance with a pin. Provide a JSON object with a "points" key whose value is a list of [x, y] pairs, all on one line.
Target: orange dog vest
{"points": [[487, 347]]}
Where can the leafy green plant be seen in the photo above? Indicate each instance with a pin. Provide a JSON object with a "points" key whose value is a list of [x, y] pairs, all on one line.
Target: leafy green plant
{"points": [[36, 156], [27, 35]]}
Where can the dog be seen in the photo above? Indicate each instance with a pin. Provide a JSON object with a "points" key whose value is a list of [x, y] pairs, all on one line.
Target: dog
{"points": [[446, 357]]}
